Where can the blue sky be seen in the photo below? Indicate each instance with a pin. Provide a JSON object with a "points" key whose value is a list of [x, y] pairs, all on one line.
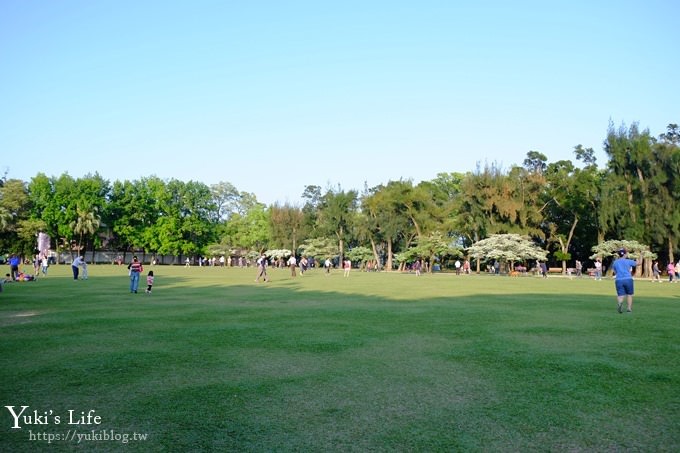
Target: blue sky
{"points": [[272, 96]]}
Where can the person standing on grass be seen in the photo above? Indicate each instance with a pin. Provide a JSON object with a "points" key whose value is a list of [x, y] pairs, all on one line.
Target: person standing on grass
{"points": [[75, 266], [671, 272], [149, 282], [262, 268], [45, 265], [304, 263], [292, 264], [347, 267], [655, 272], [135, 268], [598, 269], [624, 280], [84, 266], [14, 262]]}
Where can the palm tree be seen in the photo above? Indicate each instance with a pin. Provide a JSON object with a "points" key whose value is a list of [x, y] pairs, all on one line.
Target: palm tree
{"points": [[87, 223]]}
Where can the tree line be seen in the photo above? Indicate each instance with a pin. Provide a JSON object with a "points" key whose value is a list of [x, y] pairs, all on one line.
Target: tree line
{"points": [[566, 208]]}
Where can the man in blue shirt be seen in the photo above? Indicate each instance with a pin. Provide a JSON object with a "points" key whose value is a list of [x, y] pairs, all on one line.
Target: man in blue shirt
{"points": [[624, 280], [14, 262]]}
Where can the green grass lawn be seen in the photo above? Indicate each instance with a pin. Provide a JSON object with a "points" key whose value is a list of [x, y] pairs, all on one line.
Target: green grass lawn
{"points": [[213, 361]]}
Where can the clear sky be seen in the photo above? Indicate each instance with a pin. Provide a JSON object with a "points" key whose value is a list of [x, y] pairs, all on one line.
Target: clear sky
{"points": [[272, 96]]}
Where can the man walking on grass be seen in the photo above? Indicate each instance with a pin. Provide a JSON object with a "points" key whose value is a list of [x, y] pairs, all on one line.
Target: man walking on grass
{"points": [[262, 268], [624, 280]]}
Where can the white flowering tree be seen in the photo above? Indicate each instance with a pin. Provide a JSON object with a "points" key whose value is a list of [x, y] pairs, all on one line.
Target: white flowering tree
{"points": [[320, 248], [507, 248], [635, 250], [278, 253]]}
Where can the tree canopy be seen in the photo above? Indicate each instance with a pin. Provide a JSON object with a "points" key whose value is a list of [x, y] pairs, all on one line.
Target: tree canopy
{"points": [[507, 248], [555, 211]]}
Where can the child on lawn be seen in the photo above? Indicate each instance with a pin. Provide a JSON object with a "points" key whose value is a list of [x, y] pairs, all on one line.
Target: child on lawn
{"points": [[149, 282]]}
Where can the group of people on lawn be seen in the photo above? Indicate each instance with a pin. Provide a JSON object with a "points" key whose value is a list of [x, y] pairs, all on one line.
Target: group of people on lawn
{"points": [[622, 267]]}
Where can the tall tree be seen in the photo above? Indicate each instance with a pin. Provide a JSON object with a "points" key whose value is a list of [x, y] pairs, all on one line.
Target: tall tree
{"points": [[226, 198], [43, 203], [336, 213], [249, 232], [528, 191], [665, 189], [640, 188], [625, 186], [572, 205], [536, 162], [199, 214], [287, 223], [445, 191], [413, 202], [473, 218], [312, 196], [365, 231], [385, 220], [471, 221], [92, 193], [14, 211], [187, 220], [86, 224], [65, 203], [135, 209], [120, 210], [672, 135]]}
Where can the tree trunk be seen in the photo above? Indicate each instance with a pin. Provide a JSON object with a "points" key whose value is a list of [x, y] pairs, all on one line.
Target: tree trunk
{"points": [[629, 191], [388, 265], [600, 240], [341, 246], [670, 249], [70, 248], [563, 249], [476, 257], [294, 241], [375, 255], [571, 235], [648, 263], [415, 225]]}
